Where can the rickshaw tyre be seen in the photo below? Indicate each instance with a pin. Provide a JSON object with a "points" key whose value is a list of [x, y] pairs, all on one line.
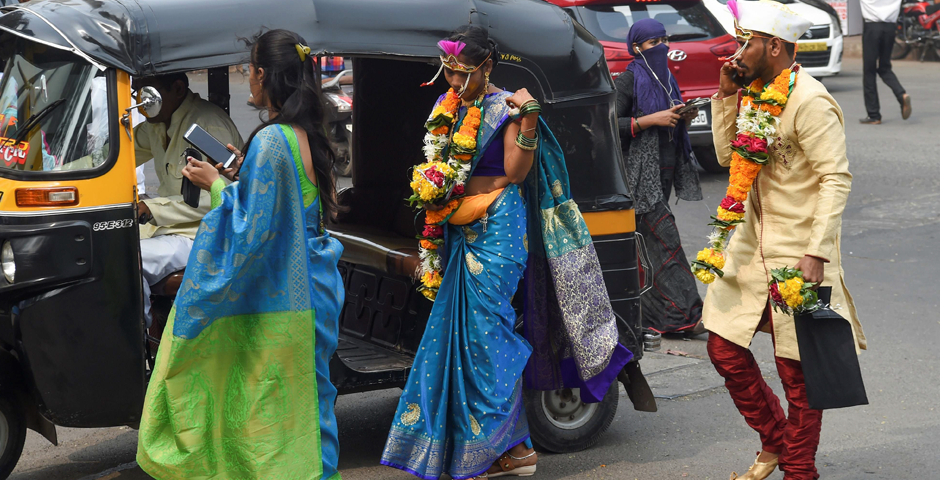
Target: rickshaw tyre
{"points": [[550, 438], [708, 160], [13, 412]]}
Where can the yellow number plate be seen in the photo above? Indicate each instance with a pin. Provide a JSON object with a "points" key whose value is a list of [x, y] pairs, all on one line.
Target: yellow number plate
{"points": [[813, 47]]}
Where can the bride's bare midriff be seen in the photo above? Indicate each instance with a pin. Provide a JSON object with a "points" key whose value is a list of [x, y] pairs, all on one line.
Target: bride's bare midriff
{"points": [[481, 185]]}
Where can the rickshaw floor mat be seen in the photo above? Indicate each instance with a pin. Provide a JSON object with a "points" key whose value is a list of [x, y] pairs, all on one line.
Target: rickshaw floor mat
{"points": [[364, 357], [380, 249]]}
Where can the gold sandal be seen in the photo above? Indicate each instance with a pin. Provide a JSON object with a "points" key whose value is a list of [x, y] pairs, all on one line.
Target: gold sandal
{"points": [[758, 471]]}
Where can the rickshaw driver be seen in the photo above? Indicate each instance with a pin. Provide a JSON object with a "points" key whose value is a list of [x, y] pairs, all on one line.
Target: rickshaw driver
{"points": [[169, 225]]}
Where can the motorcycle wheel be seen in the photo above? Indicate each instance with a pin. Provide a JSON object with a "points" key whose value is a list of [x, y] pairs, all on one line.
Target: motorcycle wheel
{"points": [[901, 48]]}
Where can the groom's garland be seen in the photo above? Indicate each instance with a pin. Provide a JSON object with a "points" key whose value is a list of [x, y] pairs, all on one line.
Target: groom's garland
{"points": [[757, 125]]}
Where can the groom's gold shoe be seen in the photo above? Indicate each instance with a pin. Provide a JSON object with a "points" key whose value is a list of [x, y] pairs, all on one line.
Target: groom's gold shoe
{"points": [[758, 471]]}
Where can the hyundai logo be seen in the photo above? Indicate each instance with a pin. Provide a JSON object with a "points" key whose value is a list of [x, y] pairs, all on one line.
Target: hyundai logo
{"points": [[677, 55]]}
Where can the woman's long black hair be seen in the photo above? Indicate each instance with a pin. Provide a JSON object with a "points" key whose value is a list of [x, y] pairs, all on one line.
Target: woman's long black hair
{"points": [[293, 89]]}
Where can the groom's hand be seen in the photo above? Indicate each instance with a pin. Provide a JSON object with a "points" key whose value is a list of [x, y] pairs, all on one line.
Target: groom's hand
{"points": [[813, 269]]}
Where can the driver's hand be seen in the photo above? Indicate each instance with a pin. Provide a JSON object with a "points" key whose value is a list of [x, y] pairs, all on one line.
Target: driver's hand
{"points": [[143, 213]]}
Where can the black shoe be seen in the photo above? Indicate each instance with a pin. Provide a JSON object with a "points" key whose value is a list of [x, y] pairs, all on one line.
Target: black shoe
{"points": [[906, 106], [870, 121]]}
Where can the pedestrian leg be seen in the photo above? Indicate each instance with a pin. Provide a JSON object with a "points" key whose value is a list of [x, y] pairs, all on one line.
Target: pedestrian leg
{"points": [[870, 69], [886, 32], [801, 437], [751, 394]]}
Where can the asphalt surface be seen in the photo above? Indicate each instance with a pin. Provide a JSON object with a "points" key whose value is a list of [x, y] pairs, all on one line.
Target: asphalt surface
{"points": [[891, 225]]}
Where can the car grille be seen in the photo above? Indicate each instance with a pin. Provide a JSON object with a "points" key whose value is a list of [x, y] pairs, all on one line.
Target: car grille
{"points": [[817, 32], [814, 59]]}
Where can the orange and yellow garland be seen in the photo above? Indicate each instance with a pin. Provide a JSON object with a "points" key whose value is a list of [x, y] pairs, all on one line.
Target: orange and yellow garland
{"points": [[441, 182], [757, 126]]}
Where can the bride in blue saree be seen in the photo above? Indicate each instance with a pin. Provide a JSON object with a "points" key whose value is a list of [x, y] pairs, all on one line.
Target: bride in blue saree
{"points": [[461, 411], [241, 386]]}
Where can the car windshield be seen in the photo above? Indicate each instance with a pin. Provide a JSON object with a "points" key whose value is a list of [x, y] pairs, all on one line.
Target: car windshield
{"points": [[53, 110], [684, 20]]}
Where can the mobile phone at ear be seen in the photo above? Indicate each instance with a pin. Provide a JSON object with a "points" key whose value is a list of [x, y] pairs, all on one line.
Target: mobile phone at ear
{"points": [[213, 149]]}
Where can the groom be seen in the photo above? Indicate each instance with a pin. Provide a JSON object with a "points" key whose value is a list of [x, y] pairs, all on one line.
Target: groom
{"points": [[794, 218]]}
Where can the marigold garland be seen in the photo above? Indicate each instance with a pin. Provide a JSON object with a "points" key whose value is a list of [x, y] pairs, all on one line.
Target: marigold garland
{"points": [[441, 180], [757, 121]]}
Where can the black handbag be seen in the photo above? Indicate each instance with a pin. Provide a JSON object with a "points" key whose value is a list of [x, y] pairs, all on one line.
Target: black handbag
{"points": [[189, 190], [830, 363]]}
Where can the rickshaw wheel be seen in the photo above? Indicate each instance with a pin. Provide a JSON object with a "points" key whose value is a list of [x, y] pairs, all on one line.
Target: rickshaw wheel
{"points": [[560, 422], [12, 433]]}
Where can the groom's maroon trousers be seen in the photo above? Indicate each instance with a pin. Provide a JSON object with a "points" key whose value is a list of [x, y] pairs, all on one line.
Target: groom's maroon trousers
{"points": [[794, 437]]}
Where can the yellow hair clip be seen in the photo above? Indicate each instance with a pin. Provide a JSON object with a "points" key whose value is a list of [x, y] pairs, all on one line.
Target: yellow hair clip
{"points": [[303, 51]]}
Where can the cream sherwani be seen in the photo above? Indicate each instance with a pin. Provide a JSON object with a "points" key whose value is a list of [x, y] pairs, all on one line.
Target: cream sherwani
{"points": [[794, 209]]}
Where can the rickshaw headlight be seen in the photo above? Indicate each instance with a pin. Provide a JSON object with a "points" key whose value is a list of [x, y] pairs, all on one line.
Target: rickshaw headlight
{"points": [[6, 261]]}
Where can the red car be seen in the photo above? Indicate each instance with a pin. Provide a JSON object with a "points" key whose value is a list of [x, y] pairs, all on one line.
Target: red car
{"points": [[697, 40]]}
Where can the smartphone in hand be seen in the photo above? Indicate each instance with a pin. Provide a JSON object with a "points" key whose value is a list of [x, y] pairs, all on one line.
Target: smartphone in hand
{"points": [[213, 149]]}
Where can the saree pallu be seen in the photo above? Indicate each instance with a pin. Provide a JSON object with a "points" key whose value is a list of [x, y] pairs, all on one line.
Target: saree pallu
{"points": [[462, 405], [241, 385]]}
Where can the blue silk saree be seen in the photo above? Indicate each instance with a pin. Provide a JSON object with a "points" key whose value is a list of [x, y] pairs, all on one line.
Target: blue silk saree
{"points": [[241, 387], [461, 407]]}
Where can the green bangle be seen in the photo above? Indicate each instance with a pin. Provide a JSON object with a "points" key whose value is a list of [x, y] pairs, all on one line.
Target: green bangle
{"points": [[527, 143], [531, 107]]}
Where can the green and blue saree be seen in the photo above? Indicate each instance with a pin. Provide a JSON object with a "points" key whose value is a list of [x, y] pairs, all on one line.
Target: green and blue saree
{"points": [[241, 388], [461, 407]]}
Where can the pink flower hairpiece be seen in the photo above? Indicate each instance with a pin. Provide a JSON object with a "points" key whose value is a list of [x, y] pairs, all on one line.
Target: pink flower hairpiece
{"points": [[733, 6], [453, 47]]}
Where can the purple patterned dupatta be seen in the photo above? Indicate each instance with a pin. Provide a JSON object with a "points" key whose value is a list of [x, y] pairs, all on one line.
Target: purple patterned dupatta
{"points": [[568, 318]]}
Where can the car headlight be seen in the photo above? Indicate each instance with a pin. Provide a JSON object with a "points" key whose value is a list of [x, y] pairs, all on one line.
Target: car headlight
{"points": [[6, 261]]}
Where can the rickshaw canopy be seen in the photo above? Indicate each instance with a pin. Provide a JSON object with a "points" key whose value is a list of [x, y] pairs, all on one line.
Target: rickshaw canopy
{"points": [[150, 37]]}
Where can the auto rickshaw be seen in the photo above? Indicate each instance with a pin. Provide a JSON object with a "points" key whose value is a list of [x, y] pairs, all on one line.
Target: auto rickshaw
{"points": [[73, 348]]}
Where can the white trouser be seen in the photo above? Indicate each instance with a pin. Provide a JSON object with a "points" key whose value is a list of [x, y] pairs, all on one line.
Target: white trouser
{"points": [[161, 256]]}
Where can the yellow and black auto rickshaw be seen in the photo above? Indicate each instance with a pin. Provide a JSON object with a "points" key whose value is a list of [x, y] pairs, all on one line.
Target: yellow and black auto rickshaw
{"points": [[73, 349]]}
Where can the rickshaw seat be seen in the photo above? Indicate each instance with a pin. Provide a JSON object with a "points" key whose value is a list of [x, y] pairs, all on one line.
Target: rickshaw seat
{"points": [[168, 286], [377, 248]]}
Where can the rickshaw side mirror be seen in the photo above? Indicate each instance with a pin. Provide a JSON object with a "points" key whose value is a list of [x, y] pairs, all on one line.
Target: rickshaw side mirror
{"points": [[149, 100]]}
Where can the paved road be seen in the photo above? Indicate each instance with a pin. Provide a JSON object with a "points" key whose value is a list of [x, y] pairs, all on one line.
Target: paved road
{"points": [[892, 221]]}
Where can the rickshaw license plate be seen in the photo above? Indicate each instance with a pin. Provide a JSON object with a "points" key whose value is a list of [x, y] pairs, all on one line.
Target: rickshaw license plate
{"points": [[701, 119], [812, 47]]}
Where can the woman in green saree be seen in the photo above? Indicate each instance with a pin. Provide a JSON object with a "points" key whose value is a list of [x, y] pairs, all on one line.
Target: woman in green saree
{"points": [[241, 388]]}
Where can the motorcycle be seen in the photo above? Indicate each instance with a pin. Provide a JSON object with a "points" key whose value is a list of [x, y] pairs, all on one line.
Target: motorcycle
{"points": [[339, 121], [918, 25]]}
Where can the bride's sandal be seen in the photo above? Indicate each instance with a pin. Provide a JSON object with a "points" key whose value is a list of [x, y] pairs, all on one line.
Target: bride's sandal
{"points": [[516, 466]]}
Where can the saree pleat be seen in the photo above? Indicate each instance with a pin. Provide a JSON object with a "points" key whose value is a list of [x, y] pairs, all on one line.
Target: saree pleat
{"points": [[241, 389], [462, 405]]}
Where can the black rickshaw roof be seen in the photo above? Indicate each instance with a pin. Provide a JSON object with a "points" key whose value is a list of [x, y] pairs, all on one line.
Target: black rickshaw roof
{"points": [[148, 37]]}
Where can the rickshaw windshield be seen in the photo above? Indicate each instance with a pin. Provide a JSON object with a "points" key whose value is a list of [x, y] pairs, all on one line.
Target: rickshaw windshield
{"points": [[53, 110]]}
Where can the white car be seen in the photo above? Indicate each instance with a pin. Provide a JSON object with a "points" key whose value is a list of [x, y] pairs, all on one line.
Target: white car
{"points": [[820, 48]]}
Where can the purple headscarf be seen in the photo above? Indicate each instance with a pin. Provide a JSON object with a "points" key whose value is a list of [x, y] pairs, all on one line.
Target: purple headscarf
{"points": [[648, 95]]}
